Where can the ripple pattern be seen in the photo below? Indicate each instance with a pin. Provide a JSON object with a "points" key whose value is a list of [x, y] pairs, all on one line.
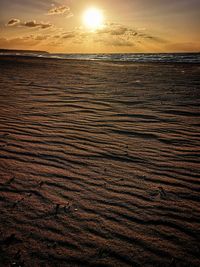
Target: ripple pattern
{"points": [[99, 163]]}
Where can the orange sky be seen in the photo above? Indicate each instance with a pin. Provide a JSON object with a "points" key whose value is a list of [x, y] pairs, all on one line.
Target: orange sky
{"points": [[128, 26]]}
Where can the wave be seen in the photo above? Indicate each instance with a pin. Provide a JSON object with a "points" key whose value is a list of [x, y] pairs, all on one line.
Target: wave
{"points": [[132, 57]]}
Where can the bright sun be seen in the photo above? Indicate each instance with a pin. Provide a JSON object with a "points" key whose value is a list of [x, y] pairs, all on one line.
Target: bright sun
{"points": [[93, 18]]}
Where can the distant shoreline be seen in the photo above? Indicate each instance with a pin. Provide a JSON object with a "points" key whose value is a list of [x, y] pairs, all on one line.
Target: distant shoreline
{"points": [[12, 51]]}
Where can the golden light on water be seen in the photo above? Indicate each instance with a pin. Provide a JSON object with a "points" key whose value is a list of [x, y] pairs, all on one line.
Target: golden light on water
{"points": [[93, 18]]}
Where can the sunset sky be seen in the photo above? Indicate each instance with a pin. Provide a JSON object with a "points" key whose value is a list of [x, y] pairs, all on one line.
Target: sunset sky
{"points": [[125, 25]]}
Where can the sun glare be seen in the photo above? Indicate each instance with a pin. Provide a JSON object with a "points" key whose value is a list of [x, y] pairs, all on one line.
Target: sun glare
{"points": [[93, 18]]}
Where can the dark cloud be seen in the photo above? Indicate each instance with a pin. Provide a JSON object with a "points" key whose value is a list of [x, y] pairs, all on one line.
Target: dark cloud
{"points": [[57, 36], [66, 35], [121, 35], [127, 34], [29, 24], [117, 30], [60, 10], [13, 22], [152, 38], [69, 35], [34, 24]]}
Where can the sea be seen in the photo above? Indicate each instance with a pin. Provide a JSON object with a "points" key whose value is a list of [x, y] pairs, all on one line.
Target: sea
{"points": [[124, 57]]}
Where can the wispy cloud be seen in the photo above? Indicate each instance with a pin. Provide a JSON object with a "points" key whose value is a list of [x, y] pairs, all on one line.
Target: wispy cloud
{"points": [[60, 10], [120, 42], [19, 43], [112, 34], [118, 30]]}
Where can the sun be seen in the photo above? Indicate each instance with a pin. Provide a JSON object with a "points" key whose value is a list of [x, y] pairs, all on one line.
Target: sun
{"points": [[93, 18]]}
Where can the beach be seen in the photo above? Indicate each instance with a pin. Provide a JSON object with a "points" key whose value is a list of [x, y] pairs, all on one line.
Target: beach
{"points": [[99, 163]]}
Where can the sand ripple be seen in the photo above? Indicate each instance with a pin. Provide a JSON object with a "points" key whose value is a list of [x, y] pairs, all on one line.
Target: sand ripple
{"points": [[99, 163]]}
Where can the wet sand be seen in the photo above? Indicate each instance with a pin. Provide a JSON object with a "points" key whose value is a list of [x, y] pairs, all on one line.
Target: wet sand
{"points": [[99, 163]]}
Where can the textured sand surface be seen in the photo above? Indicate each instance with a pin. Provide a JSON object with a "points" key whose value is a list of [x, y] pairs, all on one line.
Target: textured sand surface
{"points": [[99, 163]]}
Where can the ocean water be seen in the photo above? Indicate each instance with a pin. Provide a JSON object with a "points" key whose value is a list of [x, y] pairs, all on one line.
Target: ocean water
{"points": [[132, 57], [147, 58]]}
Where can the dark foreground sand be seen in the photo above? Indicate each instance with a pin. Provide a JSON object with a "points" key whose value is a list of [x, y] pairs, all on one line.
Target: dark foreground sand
{"points": [[99, 163]]}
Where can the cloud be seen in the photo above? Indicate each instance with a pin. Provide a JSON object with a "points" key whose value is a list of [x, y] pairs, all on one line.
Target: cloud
{"points": [[111, 34], [117, 30], [118, 42], [69, 35], [34, 24], [29, 24], [151, 38], [13, 22], [41, 37], [60, 10], [115, 41], [18, 43], [118, 35], [36, 42], [128, 34]]}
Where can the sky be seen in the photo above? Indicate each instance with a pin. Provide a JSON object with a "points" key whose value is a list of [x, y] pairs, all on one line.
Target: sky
{"points": [[126, 26]]}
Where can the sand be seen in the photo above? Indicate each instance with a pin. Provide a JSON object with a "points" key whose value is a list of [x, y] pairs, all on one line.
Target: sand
{"points": [[99, 163]]}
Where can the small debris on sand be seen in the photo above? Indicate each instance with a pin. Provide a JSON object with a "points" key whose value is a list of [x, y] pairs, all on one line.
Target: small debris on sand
{"points": [[4, 135], [9, 181], [67, 208], [17, 202], [162, 192], [52, 245], [103, 253], [11, 239], [41, 183], [57, 209], [31, 83]]}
